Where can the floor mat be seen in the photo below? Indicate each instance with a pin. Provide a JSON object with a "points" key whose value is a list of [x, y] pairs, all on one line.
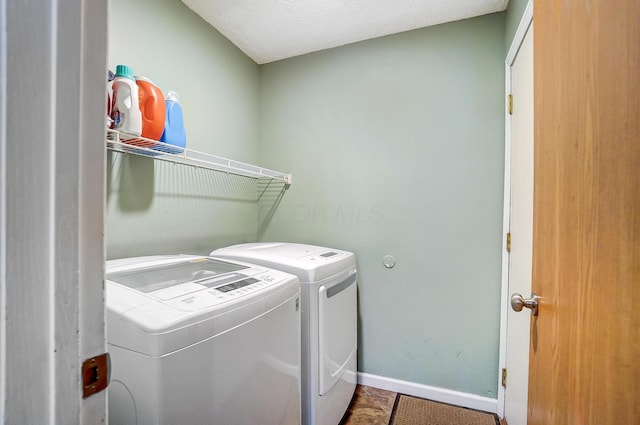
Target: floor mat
{"points": [[417, 411]]}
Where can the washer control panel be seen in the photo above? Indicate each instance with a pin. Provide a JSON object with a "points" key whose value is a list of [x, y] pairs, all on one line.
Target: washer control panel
{"points": [[244, 287], [237, 285], [227, 290]]}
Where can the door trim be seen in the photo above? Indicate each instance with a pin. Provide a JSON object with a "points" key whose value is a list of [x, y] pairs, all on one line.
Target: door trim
{"points": [[3, 203], [51, 208], [518, 38]]}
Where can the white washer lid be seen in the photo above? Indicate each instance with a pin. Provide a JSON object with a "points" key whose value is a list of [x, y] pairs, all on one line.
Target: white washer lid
{"points": [[148, 323], [150, 277]]}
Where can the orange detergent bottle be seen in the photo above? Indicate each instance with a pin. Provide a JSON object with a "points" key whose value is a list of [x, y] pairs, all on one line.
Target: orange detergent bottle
{"points": [[152, 107]]}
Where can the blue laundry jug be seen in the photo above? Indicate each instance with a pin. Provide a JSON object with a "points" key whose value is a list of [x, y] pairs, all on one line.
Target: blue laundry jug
{"points": [[174, 132]]}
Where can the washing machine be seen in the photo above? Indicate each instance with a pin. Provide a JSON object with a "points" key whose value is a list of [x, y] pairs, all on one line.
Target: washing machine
{"points": [[329, 321], [197, 340]]}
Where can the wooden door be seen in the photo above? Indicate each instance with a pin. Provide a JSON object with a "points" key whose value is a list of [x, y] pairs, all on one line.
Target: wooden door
{"points": [[585, 344]]}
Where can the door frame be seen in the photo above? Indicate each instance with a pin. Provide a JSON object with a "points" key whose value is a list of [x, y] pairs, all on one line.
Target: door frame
{"points": [[518, 38], [3, 203], [52, 174]]}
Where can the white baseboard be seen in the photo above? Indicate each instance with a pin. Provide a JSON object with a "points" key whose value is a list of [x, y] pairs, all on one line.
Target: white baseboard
{"points": [[443, 395]]}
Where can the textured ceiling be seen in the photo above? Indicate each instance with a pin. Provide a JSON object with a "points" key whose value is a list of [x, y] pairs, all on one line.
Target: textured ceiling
{"points": [[269, 30]]}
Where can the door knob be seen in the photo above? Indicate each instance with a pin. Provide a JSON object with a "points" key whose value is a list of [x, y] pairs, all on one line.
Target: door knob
{"points": [[517, 303]]}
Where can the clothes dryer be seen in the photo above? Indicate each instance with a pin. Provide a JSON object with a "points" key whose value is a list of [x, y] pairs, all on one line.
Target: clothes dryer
{"points": [[329, 320], [197, 340]]}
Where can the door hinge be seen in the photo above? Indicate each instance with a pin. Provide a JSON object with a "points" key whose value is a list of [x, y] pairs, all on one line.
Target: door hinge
{"points": [[510, 101], [509, 242], [504, 377], [95, 374]]}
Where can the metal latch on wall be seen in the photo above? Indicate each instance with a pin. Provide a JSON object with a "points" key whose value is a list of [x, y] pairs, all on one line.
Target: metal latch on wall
{"points": [[95, 374]]}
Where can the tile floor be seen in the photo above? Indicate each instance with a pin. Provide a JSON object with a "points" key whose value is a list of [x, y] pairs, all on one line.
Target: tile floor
{"points": [[372, 406]]}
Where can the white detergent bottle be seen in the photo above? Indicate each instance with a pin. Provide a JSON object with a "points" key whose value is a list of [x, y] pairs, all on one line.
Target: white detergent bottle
{"points": [[125, 112]]}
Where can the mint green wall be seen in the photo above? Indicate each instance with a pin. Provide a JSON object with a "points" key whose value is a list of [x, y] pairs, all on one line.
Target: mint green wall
{"points": [[396, 147], [515, 9], [155, 207]]}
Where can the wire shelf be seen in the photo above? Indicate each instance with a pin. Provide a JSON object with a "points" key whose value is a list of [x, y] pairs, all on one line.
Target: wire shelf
{"points": [[126, 143]]}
